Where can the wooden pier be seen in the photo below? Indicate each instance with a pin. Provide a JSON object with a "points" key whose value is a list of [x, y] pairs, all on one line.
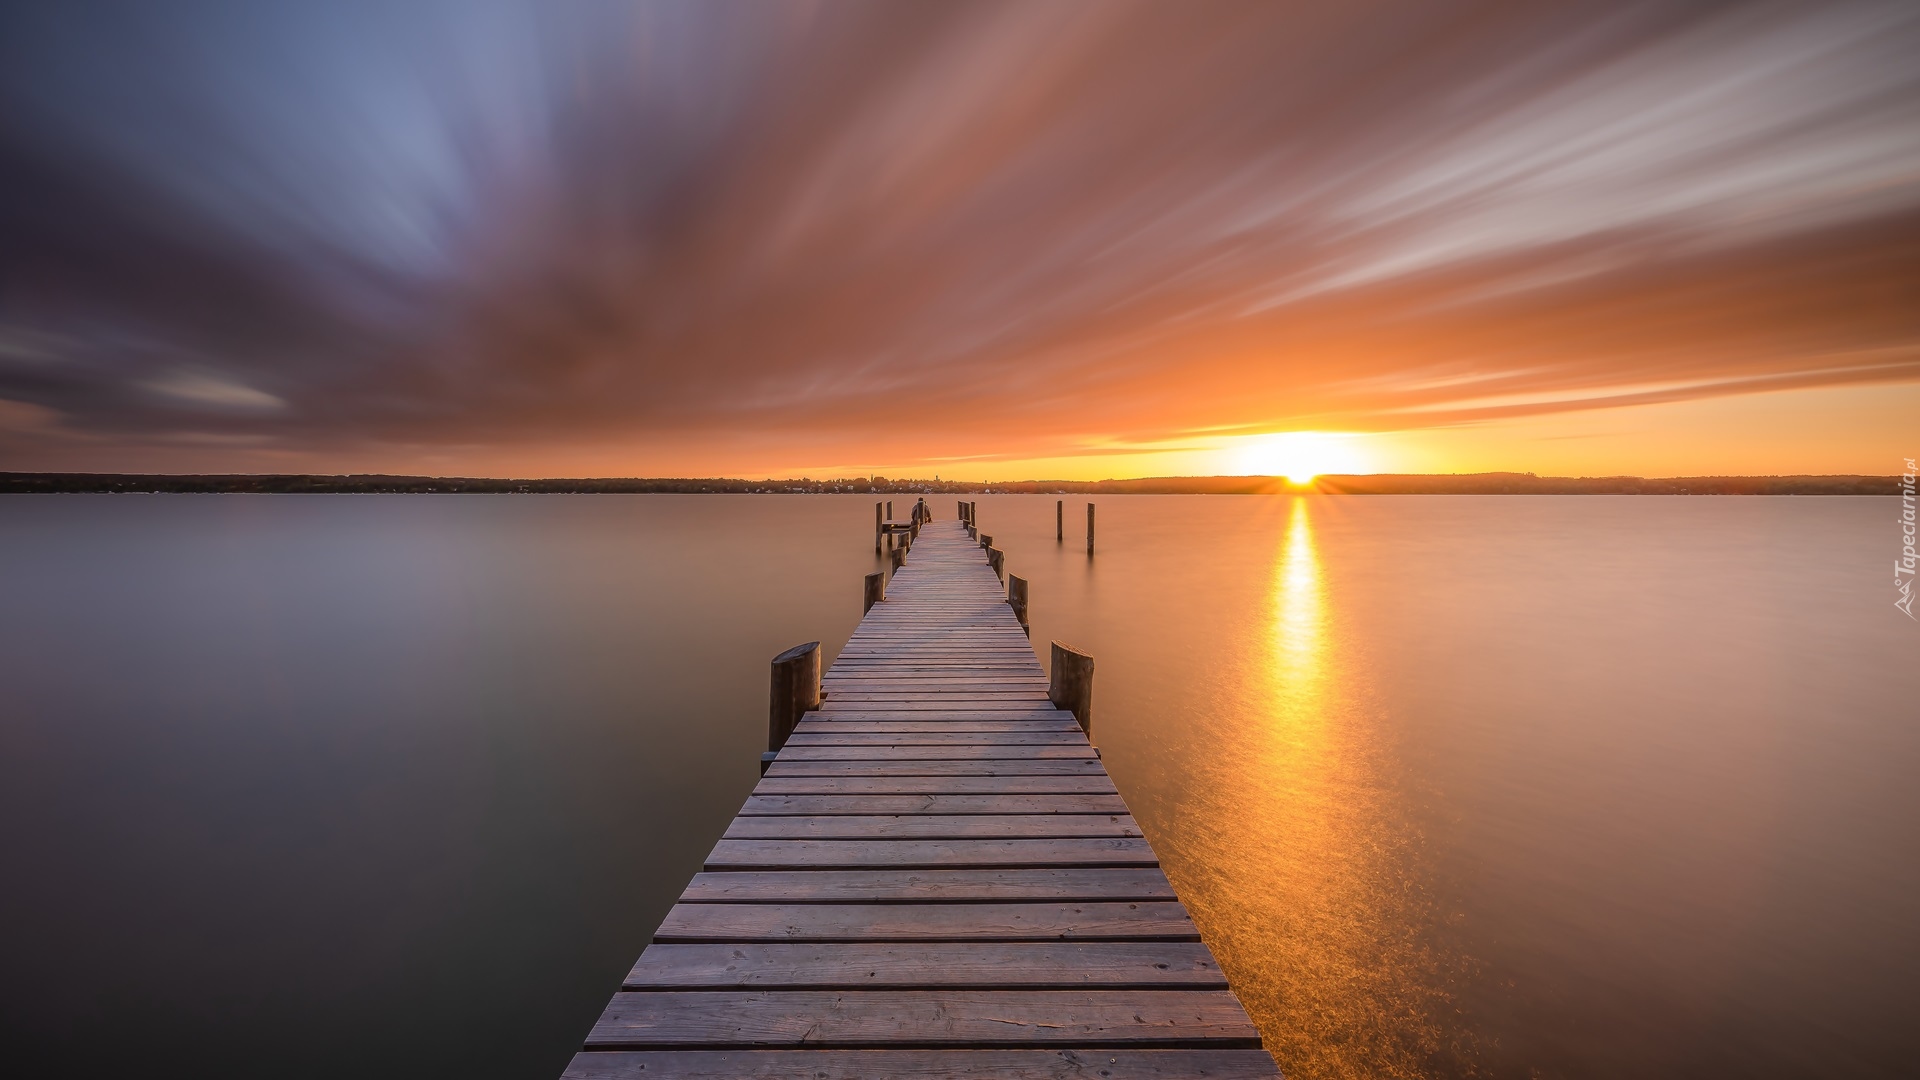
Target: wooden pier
{"points": [[935, 878]]}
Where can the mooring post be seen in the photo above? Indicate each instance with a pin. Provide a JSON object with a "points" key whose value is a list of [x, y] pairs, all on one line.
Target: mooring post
{"points": [[998, 560], [889, 509], [1089, 528], [986, 541], [1071, 686], [796, 689], [1017, 597], [899, 556], [1060, 519], [879, 526], [876, 590]]}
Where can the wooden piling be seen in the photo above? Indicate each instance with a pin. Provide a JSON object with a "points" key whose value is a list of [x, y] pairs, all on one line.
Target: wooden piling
{"points": [[1017, 597], [879, 525], [1060, 520], [898, 556], [876, 590], [998, 560], [986, 540], [795, 691], [1089, 528], [1071, 687]]}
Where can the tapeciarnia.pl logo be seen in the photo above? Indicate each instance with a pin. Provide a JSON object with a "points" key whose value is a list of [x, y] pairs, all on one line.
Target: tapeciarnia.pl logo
{"points": [[1904, 564]]}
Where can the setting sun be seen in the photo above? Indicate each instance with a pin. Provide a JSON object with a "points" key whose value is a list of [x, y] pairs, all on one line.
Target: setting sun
{"points": [[1302, 455]]}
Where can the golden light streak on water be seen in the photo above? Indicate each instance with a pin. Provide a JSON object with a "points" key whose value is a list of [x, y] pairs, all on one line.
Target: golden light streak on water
{"points": [[1308, 884]]}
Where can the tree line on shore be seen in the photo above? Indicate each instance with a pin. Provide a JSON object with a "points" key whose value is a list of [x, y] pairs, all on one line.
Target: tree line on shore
{"points": [[1375, 484]]}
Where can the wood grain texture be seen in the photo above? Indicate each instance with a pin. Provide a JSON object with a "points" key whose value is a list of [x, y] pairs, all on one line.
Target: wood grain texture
{"points": [[927, 854], [1131, 884], [961, 1018], [1060, 965], [939, 805], [1038, 921], [1081, 782], [914, 826], [1115, 1064]]}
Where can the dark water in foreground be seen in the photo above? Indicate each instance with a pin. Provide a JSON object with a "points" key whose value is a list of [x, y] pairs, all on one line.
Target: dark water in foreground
{"points": [[400, 785]]}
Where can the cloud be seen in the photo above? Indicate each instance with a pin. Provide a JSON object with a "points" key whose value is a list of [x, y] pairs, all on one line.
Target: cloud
{"points": [[212, 391], [1030, 226]]}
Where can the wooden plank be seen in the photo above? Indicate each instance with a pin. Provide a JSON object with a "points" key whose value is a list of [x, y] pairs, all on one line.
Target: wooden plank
{"points": [[928, 854], [836, 751], [906, 767], [961, 1018], [954, 703], [1129, 884], [825, 735], [1038, 921], [818, 724], [979, 965], [937, 715], [932, 827], [1086, 783], [816, 805], [1065, 1064], [998, 712]]}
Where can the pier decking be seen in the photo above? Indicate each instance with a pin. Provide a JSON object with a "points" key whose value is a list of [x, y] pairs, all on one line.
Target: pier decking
{"points": [[936, 877]]}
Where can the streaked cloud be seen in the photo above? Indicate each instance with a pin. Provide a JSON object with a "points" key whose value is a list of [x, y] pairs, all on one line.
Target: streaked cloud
{"points": [[665, 234], [210, 390]]}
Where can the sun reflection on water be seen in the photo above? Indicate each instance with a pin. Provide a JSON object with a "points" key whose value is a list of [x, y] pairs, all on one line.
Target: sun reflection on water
{"points": [[1308, 885]]}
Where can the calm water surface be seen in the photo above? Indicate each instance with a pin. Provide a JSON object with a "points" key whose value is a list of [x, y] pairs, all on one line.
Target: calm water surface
{"points": [[1526, 786]]}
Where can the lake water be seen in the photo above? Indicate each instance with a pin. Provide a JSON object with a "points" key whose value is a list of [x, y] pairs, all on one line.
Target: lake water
{"points": [[1523, 786]]}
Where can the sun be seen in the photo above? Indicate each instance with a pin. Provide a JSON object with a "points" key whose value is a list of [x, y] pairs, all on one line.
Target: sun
{"points": [[1302, 455]]}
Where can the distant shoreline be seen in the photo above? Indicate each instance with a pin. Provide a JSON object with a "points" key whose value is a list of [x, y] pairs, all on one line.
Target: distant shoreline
{"points": [[20, 483]]}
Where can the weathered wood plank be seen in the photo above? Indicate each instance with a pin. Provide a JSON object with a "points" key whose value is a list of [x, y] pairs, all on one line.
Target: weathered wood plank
{"points": [[837, 751], [818, 805], [825, 735], [818, 724], [1086, 783], [928, 854], [923, 1065], [906, 767], [932, 827], [1081, 921], [965, 1018], [982, 965], [1130, 884]]}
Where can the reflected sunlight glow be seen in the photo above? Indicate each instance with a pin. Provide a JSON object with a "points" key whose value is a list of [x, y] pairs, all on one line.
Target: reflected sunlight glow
{"points": [[1328, 916]]}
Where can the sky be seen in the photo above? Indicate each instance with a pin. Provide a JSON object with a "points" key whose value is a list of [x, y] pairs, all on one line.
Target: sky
{"points": [[979, 240]]}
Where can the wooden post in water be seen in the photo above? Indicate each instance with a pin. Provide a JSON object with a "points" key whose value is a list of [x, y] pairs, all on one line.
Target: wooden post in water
{"points": [[998, 560], [876, 590], [1060, 520], [898, 556], [1071, 686], [879, 526], [1089, 528], [796, 689], [1017, 597], [986, 541]]}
